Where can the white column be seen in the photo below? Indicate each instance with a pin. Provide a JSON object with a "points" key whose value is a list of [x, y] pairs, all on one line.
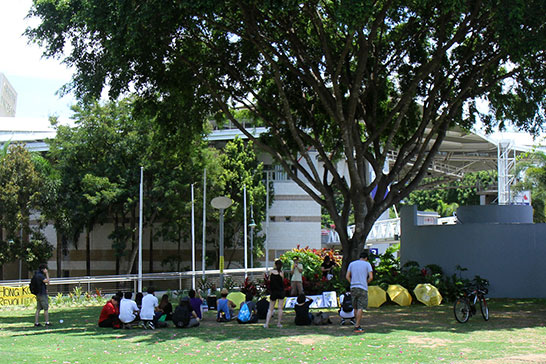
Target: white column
{"points": [[267, 221], [204, 250], [245, 231], [141, 197], [192, 239]]}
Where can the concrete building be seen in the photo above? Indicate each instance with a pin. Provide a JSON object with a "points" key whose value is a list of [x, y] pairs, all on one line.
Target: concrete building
{"points": [[8, 98], [293, 219], [496, 242]]}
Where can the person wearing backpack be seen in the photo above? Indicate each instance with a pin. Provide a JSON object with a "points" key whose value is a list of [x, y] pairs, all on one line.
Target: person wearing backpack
{"points": [[38, 287], [247, 312], [184, 315], [346, 312]]}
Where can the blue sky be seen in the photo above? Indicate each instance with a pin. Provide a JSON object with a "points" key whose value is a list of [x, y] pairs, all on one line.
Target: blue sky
{"points": [[36, 80]]}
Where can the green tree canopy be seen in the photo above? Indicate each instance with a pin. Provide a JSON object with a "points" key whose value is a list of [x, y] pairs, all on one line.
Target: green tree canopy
{"points": [[21, 185], [444, 198], [348, 81], [532, 170], [98, 164]]}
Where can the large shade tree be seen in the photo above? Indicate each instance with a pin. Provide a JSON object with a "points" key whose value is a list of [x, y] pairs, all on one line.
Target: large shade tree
{"points": [[348, 81], [98, 160], [21, 185]]}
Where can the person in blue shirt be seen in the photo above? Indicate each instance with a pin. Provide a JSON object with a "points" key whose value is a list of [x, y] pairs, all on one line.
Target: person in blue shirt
{"points": [[359, 273], [225, 307]]}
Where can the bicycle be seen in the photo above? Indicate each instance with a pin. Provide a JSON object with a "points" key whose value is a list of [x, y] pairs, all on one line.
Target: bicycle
{"points": [[465, 306]]}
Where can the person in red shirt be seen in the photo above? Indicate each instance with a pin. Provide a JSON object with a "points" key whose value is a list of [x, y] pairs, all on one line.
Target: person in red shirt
{"points": [[109, 316]]}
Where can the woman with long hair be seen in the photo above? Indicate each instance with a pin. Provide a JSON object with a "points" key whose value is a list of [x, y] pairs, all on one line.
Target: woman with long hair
{"points": [[276, 286], [166, 307]]}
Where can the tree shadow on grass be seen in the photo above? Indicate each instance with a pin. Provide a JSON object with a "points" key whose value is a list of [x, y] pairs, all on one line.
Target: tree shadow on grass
{"points": [[82, 321]]}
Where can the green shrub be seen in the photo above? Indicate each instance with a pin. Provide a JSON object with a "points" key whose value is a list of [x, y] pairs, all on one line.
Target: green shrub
{"points": [[388, 271], [313, 281]]}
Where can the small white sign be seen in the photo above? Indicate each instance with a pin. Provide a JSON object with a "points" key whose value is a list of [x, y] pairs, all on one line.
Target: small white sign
{"points": [[522, 198], [325, 300]]}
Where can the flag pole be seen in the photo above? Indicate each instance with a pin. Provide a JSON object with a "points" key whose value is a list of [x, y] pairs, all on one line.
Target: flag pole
{"points": [[141, 203]]}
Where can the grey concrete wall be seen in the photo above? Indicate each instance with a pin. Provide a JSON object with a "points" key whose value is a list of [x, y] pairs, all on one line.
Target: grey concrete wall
{"points": [[511, 256], [495, 214]]}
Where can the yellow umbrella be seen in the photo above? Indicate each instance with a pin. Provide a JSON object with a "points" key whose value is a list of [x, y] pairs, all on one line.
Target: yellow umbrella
{"points": [[428, 294], [237, 298], [376, 296], [399, 294]]}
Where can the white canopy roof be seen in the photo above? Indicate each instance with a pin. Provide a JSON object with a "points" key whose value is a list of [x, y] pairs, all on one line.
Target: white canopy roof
{"points": [[462, 151]]}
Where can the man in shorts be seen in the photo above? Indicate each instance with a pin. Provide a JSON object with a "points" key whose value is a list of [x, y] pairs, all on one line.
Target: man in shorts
{"points": [[42, 297], [359, 273]]}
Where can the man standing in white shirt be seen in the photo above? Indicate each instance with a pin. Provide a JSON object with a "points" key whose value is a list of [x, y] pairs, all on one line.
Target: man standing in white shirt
{"points": [[150, 306], [128, 310]]}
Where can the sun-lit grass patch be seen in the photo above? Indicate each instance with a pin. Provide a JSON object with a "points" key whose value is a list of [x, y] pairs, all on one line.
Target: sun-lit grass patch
{"points": [[392, 335]]}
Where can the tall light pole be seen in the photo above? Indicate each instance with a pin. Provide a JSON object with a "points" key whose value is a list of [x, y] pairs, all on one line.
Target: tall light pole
{"points": [[252, 225], [267, 221], [141, 203], [192, 238], [221, 203], [245, 235], [204, 249]]}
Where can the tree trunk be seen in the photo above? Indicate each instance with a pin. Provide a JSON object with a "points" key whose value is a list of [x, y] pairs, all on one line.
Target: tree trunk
{"points": [[134, 244], [151, 258], [179, 250], [88, 250], [116, 224], [353, 247], [59, 254], [1, 266]]}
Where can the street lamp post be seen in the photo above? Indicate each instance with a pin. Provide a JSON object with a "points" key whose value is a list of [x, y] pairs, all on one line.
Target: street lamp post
{"points": [[252, 225], [221, 203]]}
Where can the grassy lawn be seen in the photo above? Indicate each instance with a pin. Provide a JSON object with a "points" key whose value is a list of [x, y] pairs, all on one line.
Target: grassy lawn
{"points": [[515, 333]]}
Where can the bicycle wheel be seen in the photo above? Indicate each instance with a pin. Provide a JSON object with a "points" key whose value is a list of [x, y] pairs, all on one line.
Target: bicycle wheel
{"points": [[484, 308], [461, 308]]}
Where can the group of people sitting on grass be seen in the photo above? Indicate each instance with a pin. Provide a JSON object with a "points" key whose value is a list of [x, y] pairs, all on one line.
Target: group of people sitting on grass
{"points": [[148, 313], [123, 312]]}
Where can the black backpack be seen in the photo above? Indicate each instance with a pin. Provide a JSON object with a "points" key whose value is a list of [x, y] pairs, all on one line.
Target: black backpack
{"points": [[35, 285], [347, 305], [181, 316]]}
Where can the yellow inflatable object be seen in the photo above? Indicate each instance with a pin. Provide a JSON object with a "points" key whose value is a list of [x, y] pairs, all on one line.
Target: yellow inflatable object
{"points": [[399, 295], [376, 296], [237, 298], [428, 294]]}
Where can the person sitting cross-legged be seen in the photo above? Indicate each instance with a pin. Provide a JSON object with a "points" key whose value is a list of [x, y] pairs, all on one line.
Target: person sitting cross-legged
{"points": [[128, 311], [247, 315], [166, 307], [225, 307], [196, 302], [150, 313], [303, 316], [184, 315], [109, 315]]}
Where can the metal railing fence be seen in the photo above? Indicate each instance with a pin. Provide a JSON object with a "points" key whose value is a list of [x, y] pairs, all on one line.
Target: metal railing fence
{"points": [[184, 279]]}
